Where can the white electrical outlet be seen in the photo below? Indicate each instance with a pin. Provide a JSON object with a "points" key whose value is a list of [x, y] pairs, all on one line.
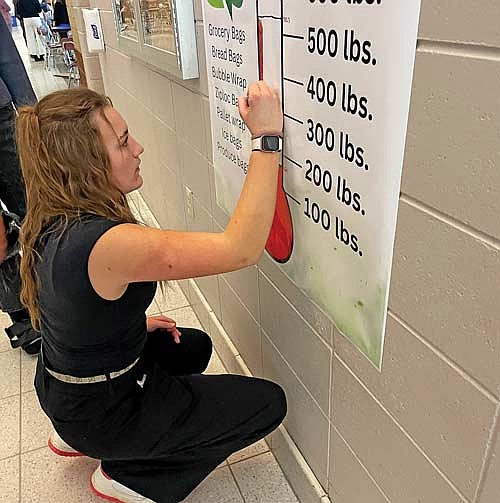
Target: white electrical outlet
{"points": [[189, 202]]}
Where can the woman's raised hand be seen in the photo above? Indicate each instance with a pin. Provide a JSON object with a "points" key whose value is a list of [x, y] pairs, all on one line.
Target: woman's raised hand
{"points": [[261, 110]]}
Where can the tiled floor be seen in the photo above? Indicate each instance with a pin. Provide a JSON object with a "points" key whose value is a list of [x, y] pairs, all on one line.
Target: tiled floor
{"points": [[30, 473], [43, 81]]}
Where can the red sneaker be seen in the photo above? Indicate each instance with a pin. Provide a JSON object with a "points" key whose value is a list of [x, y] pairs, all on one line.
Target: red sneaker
{"points": [[105, 487], [58, 446]]}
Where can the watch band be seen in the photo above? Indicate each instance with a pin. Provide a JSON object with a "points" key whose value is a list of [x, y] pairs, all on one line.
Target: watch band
{"points": [[267, 143]]}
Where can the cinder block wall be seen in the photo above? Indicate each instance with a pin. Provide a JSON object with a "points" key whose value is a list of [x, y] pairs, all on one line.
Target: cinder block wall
{"points": [[426, 428]]}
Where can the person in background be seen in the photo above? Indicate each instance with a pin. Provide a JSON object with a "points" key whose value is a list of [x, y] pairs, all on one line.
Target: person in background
{"points": [[29, 12], [61, 16], [5, 9], [48, 13], [20, 19], [15, 90]]}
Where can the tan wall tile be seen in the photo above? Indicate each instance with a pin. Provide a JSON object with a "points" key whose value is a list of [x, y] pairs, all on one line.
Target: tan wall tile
{"points": [[92, 67], [151, 190], [241, 327], [172, 190], [220, 215], [245, 283], [201, 308], [400, 469], [165, 143], [349, 481], [443, 285], [292, 462], [208, 127], [96, 85], [461, 21], [115, 61], [194, 173], [102, 4], [109, 29], [303, 304], [453, 431], [162, 104], [305, 422], [136, 80], [78, 18], [218, 335], [209, 286], [201, 221], [452, 153], [81, 44], [198, 14], [301, 347], [188, 118]]}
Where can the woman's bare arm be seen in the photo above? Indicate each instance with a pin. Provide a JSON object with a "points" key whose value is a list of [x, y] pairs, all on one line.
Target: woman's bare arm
{"points": [[131, 253]]}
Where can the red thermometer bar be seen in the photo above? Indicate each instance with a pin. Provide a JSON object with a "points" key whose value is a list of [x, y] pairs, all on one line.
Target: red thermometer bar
{"points": [[280, 241]]}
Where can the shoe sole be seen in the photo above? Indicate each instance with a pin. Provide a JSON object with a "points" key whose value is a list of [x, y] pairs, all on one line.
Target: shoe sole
{"points": [[102, 495], [64, 454]]}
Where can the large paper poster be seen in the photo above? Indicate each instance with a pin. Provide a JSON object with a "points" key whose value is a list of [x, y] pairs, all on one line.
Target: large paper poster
{"points": [[344, 69]]}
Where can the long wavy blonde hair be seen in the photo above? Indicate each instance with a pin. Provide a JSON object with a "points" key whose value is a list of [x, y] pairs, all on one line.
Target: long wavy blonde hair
{"points": [[67, 173]]}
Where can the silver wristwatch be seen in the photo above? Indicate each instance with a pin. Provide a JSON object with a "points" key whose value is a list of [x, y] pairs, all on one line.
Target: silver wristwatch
{"points": [[267, 143]]}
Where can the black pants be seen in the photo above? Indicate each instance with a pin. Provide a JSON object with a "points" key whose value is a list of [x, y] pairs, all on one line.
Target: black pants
{"points": [[12, 195], [21, 22], [163, 438], [11, 182]]}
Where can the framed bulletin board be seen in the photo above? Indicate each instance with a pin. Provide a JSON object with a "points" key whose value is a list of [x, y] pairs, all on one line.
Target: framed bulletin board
{"points": [[160, 32]]}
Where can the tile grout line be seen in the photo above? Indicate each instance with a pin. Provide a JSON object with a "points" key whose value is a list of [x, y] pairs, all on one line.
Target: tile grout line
{"points": [[9, 457], [36, 449], [20, 427], [163, 311], [19, 481], [300, 315], [461, 49], [451, 221], [237, 484], [10, 396], [331, 391], [294, 373], [363, 467], [249, 457], [452, 364], [261, 335], [403, 430], [487, 455], [240, 301]]}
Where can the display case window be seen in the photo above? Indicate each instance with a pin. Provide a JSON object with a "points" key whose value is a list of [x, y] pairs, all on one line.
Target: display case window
{"points": [[125, 15], [159, 32], [158, 24]]}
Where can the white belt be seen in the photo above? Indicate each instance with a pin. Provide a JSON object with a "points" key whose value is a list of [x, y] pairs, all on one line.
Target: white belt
{"points": [[91, 379]]}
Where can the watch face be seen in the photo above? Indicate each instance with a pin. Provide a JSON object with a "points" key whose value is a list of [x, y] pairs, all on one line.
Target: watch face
{"points": [[271, 143]]}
